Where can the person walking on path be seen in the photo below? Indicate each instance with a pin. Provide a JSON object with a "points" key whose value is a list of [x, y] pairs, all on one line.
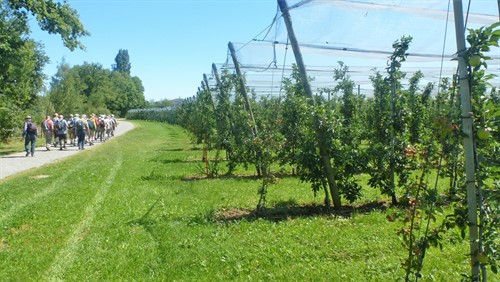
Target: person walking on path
{"points": [[72, 128], [62, 131], [47, 129], [55, 122], [91, 126], [30, 132], [81, 128], [16, 163]]}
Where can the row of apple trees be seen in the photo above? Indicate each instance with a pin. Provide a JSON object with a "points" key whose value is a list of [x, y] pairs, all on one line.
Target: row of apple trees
{"points": [[402, 130], [387, 135]]}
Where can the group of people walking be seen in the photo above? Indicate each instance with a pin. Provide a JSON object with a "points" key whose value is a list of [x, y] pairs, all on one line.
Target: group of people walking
{"points": [[79, 130]]}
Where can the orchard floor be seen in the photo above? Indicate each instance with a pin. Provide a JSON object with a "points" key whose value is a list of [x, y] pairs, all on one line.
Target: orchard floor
{"points": [[18, 162]]}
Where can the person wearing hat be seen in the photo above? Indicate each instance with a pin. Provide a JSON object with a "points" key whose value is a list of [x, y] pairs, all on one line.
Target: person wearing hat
{"points": [[30, 132]]}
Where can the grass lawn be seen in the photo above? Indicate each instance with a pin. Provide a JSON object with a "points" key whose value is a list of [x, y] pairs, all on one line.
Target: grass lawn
{"points": [[15, 145], [132, 210]]}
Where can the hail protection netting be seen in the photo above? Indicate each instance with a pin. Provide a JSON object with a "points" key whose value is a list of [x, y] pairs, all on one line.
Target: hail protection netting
{"points": [[360, 34]]}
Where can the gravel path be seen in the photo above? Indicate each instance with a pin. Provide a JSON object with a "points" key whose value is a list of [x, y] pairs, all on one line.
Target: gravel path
{"points": [[15, 163]]}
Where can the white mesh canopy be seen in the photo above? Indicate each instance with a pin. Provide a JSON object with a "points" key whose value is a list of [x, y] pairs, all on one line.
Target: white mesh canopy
{"points": [[360, 34]]}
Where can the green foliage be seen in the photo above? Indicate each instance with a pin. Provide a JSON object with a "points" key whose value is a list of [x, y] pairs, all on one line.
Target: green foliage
{"points": [[300, 148], [223, 117], [90, 88], [9, 122], [53, 17], [21, 64], [387, 121], [421, 232], [22, 59], [485, 104], [153, 114], [122, 62]]}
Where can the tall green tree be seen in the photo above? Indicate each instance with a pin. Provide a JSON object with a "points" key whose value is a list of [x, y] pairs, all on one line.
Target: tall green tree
{"points": [[129, 90], [65, 91], [22, 59], [122, 61], [21, 77], [128, 93]]}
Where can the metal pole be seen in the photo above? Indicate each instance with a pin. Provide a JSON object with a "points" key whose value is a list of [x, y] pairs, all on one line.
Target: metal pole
{"points": [[207, 87], [261, 167], [327, 166], [498, 4], [467, 138], [243, 89]]}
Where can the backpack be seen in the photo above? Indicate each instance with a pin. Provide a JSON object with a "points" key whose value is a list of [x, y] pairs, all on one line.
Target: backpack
{"points": [[73, 122], [31, 128], [45, 125], [102, 123], [90, 123], [80, 126], [61, 125]]}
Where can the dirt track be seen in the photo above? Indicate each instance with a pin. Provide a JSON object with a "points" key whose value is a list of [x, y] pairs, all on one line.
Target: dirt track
{"points": [[15, 163]]}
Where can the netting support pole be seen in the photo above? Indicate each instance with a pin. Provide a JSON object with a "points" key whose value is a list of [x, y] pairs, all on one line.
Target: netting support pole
{"points": [[325, 156], [498, 4], [467, 139], [217, 78], [261, 168], [243, 89], [207, 87]]}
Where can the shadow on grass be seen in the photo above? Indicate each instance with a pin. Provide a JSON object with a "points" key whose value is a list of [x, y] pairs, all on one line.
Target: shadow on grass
{"points": [[178, 149], [9, 152], [290, 210], [170, 150], [166, 161], [173, 161], [158, 176], [202, 176], [148, 225], [143, 220]]}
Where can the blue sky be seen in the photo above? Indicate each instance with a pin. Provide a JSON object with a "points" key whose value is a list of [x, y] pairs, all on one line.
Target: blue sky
{"points": [[171, 43]]}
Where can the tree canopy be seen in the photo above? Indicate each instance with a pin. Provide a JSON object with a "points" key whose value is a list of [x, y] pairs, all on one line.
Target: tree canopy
{"points": [[53, 17], [92, 88], [122, 61], [22, 59]]}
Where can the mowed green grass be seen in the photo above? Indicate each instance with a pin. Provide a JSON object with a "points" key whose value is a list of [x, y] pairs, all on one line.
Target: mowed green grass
{"points": [[135, 208]]}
